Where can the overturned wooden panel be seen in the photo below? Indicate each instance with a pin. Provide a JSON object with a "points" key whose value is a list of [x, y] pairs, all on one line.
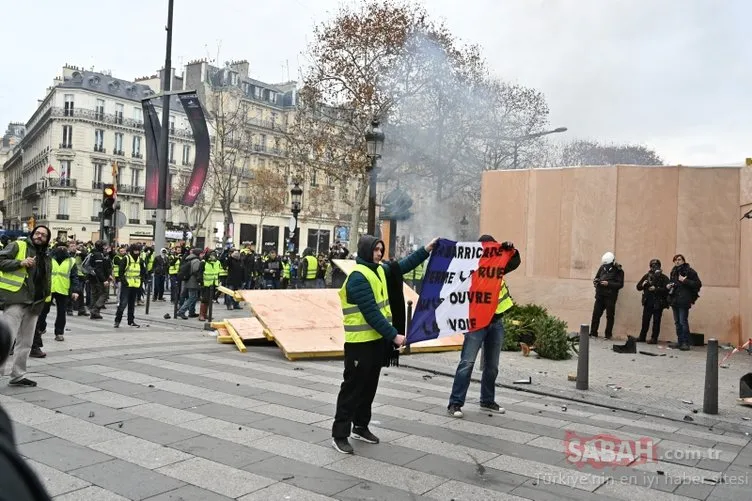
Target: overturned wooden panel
{"points": [[307, 323], [448, 343], [347, 266], [249, 329]]}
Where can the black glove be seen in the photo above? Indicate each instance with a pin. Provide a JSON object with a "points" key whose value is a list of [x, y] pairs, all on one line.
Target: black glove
{"points": [[507, 245]]}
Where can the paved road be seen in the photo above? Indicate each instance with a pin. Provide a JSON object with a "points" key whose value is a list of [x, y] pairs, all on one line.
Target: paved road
{"points": [[161, 413]]}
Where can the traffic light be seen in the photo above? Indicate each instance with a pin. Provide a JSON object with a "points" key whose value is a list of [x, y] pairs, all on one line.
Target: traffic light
{"points": [[109, 195]]}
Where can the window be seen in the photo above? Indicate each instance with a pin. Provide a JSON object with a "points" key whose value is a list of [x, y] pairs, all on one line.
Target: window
{"points": [[96, 206], [273, 119], [313, 178], [138, 114], [98, 170], [99, 110], [68, 105], [273, 97], [63, 204], [134, 211], [119, 113], [99, 140], [172, 153], [136, 147], [262, 142], [172, 124], [135, 177], [65, 172], [186, 154], [118, 149], [67, 136]]}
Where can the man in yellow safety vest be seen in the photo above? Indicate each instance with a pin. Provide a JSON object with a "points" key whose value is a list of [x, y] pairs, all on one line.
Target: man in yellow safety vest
{"points": [[491, 338], [309, 269], [132, 273], [24, 286], [64, 284], [209, 270], [369, 332]]}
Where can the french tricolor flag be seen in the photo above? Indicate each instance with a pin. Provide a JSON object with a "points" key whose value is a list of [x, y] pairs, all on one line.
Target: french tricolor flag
{"points": [[460, 291]]}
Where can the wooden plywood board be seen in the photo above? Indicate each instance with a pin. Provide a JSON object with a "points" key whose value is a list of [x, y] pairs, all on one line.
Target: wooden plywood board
{"points": [[347, 266], [249, 329]]}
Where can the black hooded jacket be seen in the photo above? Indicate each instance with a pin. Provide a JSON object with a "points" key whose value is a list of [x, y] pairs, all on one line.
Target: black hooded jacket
{"points": [[359, 291], [37, 285]]}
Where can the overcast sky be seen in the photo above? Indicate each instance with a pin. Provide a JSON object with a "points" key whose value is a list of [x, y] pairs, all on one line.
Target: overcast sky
{"points": [[675, 75]]}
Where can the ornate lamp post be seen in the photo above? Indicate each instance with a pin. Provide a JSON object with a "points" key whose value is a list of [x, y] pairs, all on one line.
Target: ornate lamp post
{"points": [[463, 228], [375, 146], [296, 195]]}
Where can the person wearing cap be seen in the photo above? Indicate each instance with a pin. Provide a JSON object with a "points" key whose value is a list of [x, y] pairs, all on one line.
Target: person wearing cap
{"points": [[654, 288], [609, 279]]}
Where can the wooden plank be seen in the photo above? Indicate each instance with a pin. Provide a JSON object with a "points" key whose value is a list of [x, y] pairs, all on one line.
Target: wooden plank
{"points": [[236, 339], [347, 266], [222, 335], [249, 329]]}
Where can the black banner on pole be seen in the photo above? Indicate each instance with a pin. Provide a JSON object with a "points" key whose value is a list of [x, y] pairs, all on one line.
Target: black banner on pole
{"points": [[152, 130], [201, 139]]}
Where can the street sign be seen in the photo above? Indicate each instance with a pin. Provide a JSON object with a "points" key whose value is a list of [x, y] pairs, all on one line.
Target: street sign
{"points": [[291, 224], [120, 219]]}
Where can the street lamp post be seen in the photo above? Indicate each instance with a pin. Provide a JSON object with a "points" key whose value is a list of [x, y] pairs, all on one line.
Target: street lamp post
{"points": [[518, 140], [463, 227], [296, 194], [375, 146]]}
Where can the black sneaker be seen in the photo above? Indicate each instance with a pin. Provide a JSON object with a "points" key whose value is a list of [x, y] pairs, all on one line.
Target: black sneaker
{"points": [[493, 407], [674, 346], [117, 325], [455, 411], [684, 347], [28, 383], [59, 337], [134, 324], [342, 445], [365, 435]]}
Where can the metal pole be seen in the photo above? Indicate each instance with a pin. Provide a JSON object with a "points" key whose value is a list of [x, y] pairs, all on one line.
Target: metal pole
{"points": [[211, 303], [164, 137], [583, 359], [148, 294], [408, 322], [710, 401], [177, 291], [372, 198]]}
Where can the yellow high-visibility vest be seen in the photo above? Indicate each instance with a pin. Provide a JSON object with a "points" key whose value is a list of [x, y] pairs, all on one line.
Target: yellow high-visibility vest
{"points": [[61, 276], [211, 273], [285, 270], [223, 270], [132, 272], [416, 273], [174, 267], [357, 330], [116, 265], [505, 299], [13, 280], [313, 267]]}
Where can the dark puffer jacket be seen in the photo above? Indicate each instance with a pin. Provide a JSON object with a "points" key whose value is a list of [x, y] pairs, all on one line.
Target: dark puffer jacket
{"points": [[684, 294], [614, 275]]}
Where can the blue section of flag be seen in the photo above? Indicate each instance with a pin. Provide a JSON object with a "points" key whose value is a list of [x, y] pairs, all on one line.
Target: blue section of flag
{"points": [[423, 326]]}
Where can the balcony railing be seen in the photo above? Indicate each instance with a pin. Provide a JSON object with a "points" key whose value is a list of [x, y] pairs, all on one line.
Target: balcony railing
{"points": [[62, 217], [66, 146], [33, 190], [119, 153], [244, 199], [61, 182], [130, 190], [95, 219], [137, 155], [97, 185], [134, 221], [99, 148], [172, 161], [114, 119], [68, 111]]}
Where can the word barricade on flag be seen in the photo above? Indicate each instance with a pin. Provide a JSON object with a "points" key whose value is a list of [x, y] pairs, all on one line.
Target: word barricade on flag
{"points": [[460, 291]]}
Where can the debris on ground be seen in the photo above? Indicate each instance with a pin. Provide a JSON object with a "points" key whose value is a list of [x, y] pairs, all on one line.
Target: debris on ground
{"points": [[572, 376], [91, 414], [529, 380], [688, 418], [689, 402]]}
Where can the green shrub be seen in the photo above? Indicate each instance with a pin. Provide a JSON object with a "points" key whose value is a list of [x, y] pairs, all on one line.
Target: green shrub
{"points": [[532, 324]]}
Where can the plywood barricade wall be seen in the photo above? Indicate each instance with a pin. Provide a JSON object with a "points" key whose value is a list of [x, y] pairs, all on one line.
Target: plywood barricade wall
{"points": [[307, 323], [564, 219]]}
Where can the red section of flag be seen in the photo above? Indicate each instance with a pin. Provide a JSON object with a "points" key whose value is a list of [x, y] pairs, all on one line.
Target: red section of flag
{"points": [[485, 283], [50, 169]]}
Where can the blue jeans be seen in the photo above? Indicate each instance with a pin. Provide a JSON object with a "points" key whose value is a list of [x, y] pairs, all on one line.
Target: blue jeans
{"points": [[681, 320], [492, 339], [190, 302]]}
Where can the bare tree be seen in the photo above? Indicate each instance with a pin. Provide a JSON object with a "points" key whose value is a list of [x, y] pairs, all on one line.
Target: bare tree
{"points": [[583, 152], [266, 195]]}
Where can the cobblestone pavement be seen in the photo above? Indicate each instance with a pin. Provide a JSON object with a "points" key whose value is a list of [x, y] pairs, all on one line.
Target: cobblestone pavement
{"points": [[166, 413], [658, 385]]}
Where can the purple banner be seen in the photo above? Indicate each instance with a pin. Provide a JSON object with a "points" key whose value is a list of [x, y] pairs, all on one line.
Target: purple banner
{"points": [[152, 129], [196, 118]]}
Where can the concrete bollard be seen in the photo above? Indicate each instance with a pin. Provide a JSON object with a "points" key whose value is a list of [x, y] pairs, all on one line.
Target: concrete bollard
{"points": [[583, 360], [710, 400]]}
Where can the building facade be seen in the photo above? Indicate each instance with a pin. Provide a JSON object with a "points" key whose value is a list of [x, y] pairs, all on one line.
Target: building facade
{"points": [[88, 132]]}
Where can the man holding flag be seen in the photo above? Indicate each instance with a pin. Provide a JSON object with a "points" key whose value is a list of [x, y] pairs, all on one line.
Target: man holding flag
{"points": [[369, 332], [491, 338]]}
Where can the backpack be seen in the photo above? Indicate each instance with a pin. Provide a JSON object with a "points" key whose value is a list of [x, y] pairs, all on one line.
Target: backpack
{"points": [[86, 266]]}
